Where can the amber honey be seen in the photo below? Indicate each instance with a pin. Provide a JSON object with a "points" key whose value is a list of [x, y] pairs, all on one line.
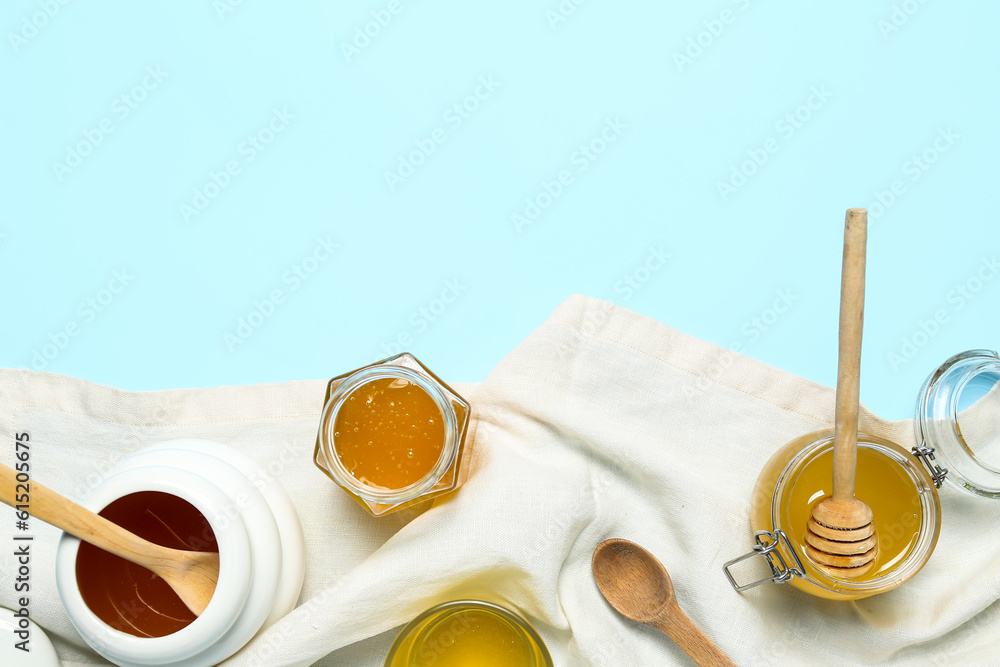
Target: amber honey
{"points": [[126, 596], [392, 435], [389, 433], [885, 487]]}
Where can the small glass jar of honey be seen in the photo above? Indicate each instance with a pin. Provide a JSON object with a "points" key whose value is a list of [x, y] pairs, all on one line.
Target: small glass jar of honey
{"points": [[468, 632], [392, 434], [957, 435]]}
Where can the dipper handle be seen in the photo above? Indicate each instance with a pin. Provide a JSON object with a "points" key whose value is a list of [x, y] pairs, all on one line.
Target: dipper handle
{"points": [[852, 316]]}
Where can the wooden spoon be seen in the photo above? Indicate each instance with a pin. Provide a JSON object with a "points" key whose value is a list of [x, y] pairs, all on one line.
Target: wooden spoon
{"points": [[841, 537], [191, 574], [637, 585]]}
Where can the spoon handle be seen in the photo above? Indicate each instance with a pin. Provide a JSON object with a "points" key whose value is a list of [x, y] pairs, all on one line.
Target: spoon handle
{"points": [[676, 625], [54, 509]]}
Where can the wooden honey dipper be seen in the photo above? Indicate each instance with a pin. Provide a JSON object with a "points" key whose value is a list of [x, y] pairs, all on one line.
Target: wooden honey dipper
{"points": [[841, 536]]}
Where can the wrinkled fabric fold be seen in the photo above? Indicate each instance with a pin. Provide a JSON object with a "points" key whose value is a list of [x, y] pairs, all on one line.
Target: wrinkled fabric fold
{"points": [[602, 423]]}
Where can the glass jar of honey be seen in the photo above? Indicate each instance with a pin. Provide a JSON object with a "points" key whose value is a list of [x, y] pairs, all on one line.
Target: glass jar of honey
{"points": [[900, 492], [467, 632], [956, 425], [392, 434]]}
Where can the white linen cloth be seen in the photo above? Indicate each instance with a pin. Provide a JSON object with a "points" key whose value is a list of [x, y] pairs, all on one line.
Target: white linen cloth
{"points": [[601, 424]]}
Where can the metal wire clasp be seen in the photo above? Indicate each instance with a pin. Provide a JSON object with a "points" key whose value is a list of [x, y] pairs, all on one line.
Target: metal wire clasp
{"points": [[925, 453], [780, 572]]}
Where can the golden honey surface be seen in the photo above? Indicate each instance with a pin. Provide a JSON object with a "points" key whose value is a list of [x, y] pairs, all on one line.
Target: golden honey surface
{"points": [[471, 638], [388, 433], [885, 487]]}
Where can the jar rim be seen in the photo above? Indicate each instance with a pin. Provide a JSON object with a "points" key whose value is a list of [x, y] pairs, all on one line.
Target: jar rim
{"points": [[927, 533], [375, 494], [937, 422]]}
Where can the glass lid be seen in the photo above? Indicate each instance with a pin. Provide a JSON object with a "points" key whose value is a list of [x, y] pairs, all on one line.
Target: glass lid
{"points": [[958, 417]]}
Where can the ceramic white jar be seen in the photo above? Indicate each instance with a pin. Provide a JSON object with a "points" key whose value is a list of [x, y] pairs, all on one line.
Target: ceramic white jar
{"points": [[261, 553]]}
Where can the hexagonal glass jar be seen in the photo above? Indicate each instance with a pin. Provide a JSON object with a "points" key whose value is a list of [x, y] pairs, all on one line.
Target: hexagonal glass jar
{"points": [[446, 475]]}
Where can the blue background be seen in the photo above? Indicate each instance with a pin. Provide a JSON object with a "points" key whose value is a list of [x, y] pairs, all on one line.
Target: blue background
{"points": [[894, 77]]}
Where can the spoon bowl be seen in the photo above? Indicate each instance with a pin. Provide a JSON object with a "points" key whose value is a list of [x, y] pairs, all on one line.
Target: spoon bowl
{"points": [[636, 584], [632, 580]]}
